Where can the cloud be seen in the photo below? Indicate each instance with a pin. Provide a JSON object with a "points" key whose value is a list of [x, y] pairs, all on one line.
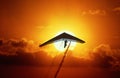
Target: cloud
{"points": [[27, 52], [104, 56], [12, 46], [1, 42], [117, 10], [103, 48], [93, 12], [22, 52]]}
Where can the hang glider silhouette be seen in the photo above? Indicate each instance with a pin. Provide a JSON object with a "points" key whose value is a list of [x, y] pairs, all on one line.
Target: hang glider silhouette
{"points": [[65, 37]]}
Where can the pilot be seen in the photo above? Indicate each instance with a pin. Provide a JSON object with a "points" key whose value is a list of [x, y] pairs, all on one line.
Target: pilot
{"points": [[65, 43]]}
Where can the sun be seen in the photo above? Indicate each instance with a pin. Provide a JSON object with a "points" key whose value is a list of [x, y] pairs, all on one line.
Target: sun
{"points": [[59, 45]]}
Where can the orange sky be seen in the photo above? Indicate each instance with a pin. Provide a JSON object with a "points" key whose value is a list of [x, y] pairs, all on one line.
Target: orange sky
{"points": [[95, 21]]}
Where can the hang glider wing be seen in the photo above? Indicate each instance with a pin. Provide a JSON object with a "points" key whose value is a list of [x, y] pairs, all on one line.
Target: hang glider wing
{"points": [[63, 36]]}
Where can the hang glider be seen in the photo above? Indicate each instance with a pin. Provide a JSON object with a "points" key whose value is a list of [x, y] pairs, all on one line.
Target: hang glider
{"points": [[65, 37]]}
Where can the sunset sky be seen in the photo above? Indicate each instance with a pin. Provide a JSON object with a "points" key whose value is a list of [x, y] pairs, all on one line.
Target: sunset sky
{"points": [[25, 24], [95, 21]]}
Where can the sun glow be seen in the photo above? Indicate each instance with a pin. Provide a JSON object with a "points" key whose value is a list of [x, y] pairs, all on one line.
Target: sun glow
{"points": [[71, 25], [59, 45]]}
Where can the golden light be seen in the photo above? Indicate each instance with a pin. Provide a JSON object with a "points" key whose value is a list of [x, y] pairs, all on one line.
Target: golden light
{"points": [[70, 25], [59, 45]]}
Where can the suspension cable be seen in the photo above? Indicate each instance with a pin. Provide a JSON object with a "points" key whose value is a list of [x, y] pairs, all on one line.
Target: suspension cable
{"points": [[61, 63]]}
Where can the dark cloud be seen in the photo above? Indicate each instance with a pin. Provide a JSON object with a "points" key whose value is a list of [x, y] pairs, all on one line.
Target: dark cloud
{"points": [[25, 52], [22, 52], [105, 56], [12, 46], [1, 42]]}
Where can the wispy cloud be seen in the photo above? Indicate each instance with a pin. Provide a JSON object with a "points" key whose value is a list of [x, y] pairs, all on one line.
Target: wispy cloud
{"points": [[93, 12], [117, 10]]}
